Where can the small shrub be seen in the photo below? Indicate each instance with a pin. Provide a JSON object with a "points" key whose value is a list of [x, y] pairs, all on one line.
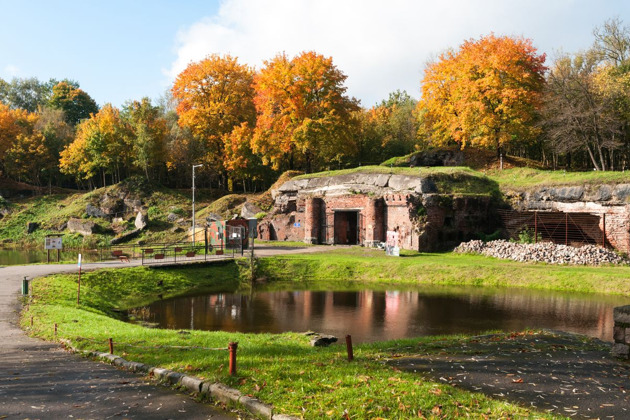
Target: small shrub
{"points": [[178, 211], [526, 236], [260, 215], [153, 212]]}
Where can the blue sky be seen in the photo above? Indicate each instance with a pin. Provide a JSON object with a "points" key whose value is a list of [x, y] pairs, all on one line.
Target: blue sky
{"points": [[122, 50]]}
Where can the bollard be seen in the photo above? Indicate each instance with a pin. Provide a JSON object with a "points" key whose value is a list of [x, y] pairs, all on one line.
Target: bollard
{"points": [[111, 346], [349, 348], [25, 287], [31, 321], [232, 349]]}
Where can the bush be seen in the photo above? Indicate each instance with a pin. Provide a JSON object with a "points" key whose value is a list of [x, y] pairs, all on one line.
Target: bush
{"points": [[526, 236]]}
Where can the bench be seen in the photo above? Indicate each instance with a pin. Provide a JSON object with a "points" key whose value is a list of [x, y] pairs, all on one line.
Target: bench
{"points": [[119, 254]]}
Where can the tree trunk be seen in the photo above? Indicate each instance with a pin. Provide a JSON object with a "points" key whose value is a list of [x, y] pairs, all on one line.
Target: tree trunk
{"points": [[592, 156]]}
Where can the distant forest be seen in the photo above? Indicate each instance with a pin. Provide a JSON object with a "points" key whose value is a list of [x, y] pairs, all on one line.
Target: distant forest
{"points": [[247, 125]]}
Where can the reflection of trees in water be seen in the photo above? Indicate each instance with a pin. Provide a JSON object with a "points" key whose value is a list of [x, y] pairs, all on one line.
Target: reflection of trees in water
{"points": [[375, 315]]}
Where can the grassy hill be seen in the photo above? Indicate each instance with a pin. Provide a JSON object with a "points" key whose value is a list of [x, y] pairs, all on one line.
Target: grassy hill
{"points": [[52, 211]]}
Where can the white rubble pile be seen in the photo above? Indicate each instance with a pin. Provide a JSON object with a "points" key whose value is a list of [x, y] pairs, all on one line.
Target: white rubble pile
{"points": [[542, 252]]}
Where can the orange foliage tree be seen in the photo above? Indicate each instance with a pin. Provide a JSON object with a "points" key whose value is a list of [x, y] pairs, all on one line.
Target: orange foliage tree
{"points": [[13, 123], [304, 116], [486, 94], [214, 96]]}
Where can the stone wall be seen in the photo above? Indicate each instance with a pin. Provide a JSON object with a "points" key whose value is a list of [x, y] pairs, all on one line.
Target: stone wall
{"points": [[611, 203], [621, 333], [309, 210]]}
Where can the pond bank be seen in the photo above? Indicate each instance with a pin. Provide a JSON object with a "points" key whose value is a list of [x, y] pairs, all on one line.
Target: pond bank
{"points": [[282, 369]]}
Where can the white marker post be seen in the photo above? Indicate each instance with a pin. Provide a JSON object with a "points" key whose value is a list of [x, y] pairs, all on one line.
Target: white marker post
{"points": [[79, 283]]}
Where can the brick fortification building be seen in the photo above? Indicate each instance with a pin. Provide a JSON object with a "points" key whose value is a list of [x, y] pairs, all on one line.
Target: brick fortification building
{"points": [[359, 209]]}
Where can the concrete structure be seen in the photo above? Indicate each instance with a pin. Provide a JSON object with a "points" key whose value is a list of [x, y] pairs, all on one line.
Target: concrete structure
{"points": [[607, 205], [361, 208]]}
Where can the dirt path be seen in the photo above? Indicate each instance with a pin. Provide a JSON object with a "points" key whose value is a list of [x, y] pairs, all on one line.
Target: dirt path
{"points": [[559, 373]]}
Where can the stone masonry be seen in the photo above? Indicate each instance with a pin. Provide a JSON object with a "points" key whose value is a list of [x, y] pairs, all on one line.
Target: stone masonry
{"points": [[361, 208], [621, 333], [611, 203]]}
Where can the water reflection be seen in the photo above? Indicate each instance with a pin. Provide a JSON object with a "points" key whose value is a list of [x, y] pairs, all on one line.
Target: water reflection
{"points": [[32, 256], [383, 315]]}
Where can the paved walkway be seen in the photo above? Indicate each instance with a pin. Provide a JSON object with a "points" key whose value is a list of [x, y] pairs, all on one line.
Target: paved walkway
{"points": [[559, 373], [38, 380]]}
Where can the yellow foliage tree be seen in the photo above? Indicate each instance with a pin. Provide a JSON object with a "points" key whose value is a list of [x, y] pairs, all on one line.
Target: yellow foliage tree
{"points": [[214, 96], [304, 117], [486, 94]]}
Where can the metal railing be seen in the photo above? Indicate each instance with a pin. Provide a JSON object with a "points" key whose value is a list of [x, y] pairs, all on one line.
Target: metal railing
{"points": [[183, 252]]}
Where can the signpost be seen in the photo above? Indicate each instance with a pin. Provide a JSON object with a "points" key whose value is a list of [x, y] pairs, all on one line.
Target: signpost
{"points": [[79, 283], [53, 242]]}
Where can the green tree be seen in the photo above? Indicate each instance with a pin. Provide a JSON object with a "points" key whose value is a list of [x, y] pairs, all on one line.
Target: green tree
{"points": [[149, 131], [74, 102], [29, 94]]}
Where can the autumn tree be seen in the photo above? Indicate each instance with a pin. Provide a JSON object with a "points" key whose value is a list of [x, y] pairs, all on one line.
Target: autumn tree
{"points": [[304, 116], [13, 124], [388, 129], [75, 103], [148, 130], [577, 115], [485, 94], [587, 104], [25, 159], [213, 97], [100, 146]]}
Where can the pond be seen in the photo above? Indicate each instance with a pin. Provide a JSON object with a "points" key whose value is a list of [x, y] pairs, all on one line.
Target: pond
{"points": [[373, 315], [32, 256]]}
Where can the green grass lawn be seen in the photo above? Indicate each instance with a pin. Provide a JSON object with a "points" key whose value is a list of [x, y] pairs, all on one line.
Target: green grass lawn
{"points": [[371, 266], [283, 369]]}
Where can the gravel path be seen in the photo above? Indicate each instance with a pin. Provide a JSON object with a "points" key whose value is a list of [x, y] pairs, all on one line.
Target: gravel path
{"points": [[559, 373]]}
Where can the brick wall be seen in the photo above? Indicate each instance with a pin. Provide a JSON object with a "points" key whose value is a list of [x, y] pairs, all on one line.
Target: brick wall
{"points": [[426, 223]]}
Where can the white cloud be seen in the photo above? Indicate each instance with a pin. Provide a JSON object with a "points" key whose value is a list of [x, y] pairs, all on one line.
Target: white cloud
{"points": [[11, 70], [381, 46]]}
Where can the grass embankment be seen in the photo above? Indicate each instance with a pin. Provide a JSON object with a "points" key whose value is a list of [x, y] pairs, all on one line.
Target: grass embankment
{"points": [[280, 369], [368, 266], [51, 212]]}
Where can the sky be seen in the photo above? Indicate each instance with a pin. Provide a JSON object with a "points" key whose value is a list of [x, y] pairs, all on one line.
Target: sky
{"points": [[125, 50]]}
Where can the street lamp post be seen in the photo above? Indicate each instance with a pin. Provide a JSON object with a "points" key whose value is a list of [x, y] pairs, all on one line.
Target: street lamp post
{"points": [[194, 230]]}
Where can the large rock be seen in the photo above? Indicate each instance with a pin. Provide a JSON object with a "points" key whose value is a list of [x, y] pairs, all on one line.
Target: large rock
{"points": [[94, 211], [111, 205], [249, 210], [323, 340], [84, 227], [141, 220], [567, 193], [31, 227]]}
